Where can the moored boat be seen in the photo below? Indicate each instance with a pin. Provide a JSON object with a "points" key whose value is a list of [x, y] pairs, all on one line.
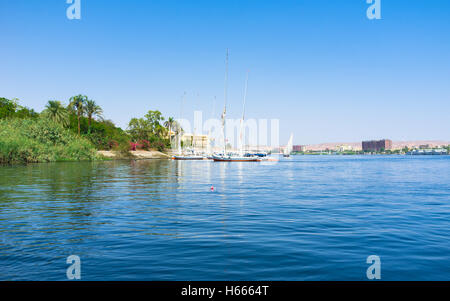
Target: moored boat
{"points": [[188, 157], [228, 156], [234, 158]]}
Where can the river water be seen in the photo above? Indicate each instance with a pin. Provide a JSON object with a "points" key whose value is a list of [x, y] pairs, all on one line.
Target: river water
{"points": [[304, 218]]}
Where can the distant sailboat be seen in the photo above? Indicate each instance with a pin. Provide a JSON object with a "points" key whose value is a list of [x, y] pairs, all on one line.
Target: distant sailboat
{"points": [[288, 150]]}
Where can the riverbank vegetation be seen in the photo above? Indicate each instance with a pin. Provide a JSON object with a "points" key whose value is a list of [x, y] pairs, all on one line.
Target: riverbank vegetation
{"points": [[74, 132], [149, 132], [41, 140]]}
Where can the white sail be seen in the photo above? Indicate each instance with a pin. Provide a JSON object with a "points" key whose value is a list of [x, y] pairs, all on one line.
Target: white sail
{"points": [[289, 146]]}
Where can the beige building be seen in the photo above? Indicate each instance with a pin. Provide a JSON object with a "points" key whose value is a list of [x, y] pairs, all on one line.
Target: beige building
{"points": [[196, 141]]}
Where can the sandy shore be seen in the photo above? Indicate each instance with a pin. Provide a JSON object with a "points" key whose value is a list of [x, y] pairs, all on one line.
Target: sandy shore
{"points": [[135, 155]]}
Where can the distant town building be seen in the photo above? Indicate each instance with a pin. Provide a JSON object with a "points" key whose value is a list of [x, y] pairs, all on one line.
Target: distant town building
{"points": [[377, 145], [299, 148], [344, 148], [435, 151]]}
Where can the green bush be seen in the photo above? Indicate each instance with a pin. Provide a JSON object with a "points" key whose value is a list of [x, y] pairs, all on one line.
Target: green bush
{"points": [[40, 140], [104, 135]]}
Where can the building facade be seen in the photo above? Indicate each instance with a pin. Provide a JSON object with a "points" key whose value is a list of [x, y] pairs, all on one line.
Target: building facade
{"points": [[195, 141], [377, 145], [299, 148]]}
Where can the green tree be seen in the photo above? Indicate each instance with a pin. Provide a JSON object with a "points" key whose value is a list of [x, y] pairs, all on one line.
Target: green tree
{"points": [[170, 125], [139, 129], [7, 107], [150, 129], [56, 112], [92, 109], [77, 104], [145, 128], [12, 109], [25, 113], [154, 119]]}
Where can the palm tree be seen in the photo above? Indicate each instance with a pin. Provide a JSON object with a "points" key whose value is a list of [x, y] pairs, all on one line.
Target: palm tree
{"points": [[92, 109], [169, 124], [56, 112], [77, 103]]}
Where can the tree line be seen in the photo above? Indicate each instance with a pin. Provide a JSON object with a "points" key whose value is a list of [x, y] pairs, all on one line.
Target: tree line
{"points": [[84, 117]]}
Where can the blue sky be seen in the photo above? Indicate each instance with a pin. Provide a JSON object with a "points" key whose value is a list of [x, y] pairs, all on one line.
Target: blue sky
{"points": [[321, 66]]}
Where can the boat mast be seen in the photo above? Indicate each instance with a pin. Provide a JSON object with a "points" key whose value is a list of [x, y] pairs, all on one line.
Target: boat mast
{"points": [[179, 125], [194, 141], [208, 146], [225, 107], [241, 136]]}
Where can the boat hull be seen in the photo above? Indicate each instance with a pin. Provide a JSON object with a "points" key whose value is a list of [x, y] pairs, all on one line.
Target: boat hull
{"points": [[187, 158], [235, 159]]}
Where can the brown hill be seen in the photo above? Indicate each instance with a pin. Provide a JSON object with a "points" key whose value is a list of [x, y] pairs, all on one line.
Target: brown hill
{"points": [[395, 144]]}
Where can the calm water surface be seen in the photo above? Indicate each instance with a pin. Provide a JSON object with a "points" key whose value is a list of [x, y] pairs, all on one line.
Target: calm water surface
{"points": [[306, 218]]}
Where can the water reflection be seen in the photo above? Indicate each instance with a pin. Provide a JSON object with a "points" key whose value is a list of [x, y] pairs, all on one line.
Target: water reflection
{"points": [[158, 219]]}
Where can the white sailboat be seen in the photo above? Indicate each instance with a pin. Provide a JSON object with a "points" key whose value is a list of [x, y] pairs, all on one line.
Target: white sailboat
{"points": [[228, 157], [184, 154], [288, 150]]}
